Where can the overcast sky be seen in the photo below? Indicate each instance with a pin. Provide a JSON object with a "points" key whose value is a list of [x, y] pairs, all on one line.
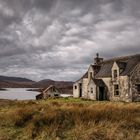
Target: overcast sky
{"points": [[57, 39]]}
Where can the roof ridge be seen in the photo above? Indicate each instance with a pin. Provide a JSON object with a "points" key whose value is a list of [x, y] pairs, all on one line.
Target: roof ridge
{"points": [[120, 58]]}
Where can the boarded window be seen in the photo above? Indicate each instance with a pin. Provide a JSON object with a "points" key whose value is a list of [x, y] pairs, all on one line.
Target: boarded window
{"points": [[116, 90], [75, 87], [91, 90], [115, 74]]}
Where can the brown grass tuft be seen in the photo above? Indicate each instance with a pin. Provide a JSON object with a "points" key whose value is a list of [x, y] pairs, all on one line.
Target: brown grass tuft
{"points": [[70, 120]]}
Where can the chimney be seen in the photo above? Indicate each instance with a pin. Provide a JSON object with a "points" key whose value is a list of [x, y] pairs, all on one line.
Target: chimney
{"points": [[98, 60]]}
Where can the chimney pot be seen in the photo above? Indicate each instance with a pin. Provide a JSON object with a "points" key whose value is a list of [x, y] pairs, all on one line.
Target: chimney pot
{"points": [[97, 60]]}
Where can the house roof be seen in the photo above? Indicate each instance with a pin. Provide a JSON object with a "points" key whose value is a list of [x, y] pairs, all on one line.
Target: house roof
{"points": [[126, 63], [105, 70], [121, 65], [51, 86], [39, 95], [99, 82], [84, 76]]}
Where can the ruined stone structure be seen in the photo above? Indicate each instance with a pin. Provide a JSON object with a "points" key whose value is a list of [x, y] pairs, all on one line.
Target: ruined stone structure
{"points": [[116, 79], [51, 91]]}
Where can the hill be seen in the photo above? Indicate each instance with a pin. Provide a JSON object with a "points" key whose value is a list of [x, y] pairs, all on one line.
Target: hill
{"points": [[18, 82], [64, 86], [17, 79], [15, 82], [46, 82]]}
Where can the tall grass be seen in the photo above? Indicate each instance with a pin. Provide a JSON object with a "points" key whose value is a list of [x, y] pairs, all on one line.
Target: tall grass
{"points": [[70, 119]]}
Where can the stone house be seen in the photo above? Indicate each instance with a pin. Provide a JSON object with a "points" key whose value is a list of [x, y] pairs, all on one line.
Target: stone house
{"points": [[116, 79], [51, 91]]}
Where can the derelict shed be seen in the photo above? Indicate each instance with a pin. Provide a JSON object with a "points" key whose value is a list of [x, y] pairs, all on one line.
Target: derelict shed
{"points": [[51, 91]]}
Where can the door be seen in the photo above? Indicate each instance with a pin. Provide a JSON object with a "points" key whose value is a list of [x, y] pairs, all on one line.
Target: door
{"points": [[102, 93], [80, 90]]}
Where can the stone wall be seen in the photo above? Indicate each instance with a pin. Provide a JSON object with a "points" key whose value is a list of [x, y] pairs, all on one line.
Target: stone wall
{"points": [[76, 90], [90, 70], [115, 67], [124, 89], [127, 86], [135, 80], [84, 87], [91, 95], [108, 88]]}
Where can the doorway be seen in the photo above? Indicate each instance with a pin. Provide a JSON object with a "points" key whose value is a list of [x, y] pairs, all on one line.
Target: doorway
{"points": [[102, 95], [80, 90]]}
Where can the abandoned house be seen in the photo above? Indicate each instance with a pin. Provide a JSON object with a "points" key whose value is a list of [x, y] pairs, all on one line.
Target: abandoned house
{"points": [[51, 91], [116, 79]]}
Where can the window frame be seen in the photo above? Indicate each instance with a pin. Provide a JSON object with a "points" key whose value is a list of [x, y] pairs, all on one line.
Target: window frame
{"points": [[116, 90], [91, 90], [138, 88], [90, 75], [115, 74]]}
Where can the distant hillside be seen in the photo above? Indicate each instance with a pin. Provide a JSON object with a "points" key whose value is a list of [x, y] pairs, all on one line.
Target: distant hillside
{"points": [[18, 82], [43, 83], [64, 86], [17, 79], [46, 82], [15, 82]]}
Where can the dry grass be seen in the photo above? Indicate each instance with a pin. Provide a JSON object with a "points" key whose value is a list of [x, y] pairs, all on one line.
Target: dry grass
{"points": [[69, 119]]}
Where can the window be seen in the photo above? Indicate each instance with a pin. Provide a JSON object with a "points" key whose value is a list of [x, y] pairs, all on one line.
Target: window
{"points": [[91, 90], [115, 74], [138, 88], [90, 75], [53, 89], [116, 90], [75, 87]]}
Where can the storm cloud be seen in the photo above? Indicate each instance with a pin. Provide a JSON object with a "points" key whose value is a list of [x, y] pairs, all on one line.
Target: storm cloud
{"points": [[58, 39]]}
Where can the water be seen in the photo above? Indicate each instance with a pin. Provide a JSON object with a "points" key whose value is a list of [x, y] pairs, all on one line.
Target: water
{"points": [[22, 94], [18, 93], [65, 95]]}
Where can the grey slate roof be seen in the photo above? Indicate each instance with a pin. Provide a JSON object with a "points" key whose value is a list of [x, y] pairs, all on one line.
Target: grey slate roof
{"points": [[99, 82], [126, 63], [105, 70], [131, 63], [121, 65], [84, 76], [50, 87]]}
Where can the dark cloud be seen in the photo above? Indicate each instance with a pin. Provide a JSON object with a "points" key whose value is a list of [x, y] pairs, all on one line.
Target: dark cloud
{"points": [[58, 38], [44, 4]]}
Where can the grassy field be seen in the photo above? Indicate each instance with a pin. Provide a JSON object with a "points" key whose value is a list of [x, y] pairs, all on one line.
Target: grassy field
{"points": [[69, 119]]}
